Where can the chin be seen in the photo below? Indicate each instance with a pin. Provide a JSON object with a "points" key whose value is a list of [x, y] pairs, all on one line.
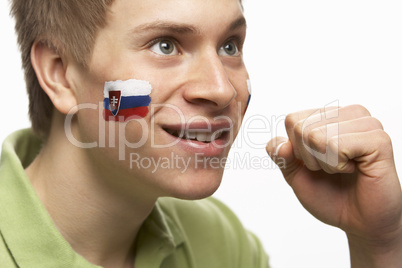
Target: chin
{"points": [[196, 184]]}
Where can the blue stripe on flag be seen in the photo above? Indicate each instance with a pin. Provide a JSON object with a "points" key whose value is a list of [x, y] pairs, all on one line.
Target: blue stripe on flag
{"points": [[130, 102]]}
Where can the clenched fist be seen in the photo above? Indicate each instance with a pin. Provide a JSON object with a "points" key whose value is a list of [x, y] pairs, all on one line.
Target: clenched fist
{"points": [[340, 164]]}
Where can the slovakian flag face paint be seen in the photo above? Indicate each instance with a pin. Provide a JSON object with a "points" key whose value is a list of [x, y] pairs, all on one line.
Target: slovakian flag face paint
{"points": [[126, 100], [249, 95], [249, 91], [114, 102]]}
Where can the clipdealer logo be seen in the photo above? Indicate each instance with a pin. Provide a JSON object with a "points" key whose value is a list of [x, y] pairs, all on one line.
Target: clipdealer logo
{"points": [[249, 135]]}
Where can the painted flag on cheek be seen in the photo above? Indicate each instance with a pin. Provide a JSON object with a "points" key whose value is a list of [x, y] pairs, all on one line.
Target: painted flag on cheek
{"points": [[126, 100], [113, 101], [249, 91], [249, 95]]}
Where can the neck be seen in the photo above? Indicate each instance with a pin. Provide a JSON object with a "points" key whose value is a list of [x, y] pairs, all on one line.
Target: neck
{"points": [[95, 212]]}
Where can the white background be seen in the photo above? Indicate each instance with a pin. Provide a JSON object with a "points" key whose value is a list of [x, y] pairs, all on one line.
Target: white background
{"points": [[300, 55]]}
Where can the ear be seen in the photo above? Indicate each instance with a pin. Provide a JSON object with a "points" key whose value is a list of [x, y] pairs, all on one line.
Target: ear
{"points": [[50, 70]]}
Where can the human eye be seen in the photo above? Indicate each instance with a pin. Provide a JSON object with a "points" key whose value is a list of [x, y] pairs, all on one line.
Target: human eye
{"points": [[229, 48], [164, 47]]}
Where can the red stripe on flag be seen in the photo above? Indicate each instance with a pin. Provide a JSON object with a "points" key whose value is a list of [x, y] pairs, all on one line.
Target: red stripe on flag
{"points": [[126, 114]]}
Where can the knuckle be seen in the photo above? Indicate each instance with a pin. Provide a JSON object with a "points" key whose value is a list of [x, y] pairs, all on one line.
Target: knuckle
{"points": [[298, 128], [376, 124], [360, 110], [334, 144], [384, 139], [317, 138], [382, 144], [291, 120]]}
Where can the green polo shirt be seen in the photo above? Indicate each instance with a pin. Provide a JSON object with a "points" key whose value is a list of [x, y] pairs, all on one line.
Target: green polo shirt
{"points": [[177, 233]]}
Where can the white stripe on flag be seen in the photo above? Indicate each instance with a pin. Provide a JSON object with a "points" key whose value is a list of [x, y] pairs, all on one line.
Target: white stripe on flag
{"points": [[249, 86], [128, 88]]}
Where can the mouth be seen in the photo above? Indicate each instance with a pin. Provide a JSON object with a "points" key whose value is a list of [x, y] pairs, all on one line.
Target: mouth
{"points": [[197, 135], [200, 132], [207, 138]]}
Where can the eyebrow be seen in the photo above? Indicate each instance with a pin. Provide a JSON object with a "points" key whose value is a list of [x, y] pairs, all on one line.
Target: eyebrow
{"points": [[239, 23], [181, 28], [165, 26]]}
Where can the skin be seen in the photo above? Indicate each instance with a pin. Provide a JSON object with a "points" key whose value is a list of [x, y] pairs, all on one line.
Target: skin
{"points": [[87, 191], [96, 190], [359, 192]]}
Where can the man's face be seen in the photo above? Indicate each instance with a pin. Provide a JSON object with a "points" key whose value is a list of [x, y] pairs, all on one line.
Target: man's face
{"points": [[191, 53]]}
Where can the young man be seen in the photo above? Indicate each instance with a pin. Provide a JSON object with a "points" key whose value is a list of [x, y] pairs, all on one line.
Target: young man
{"points": [[84, 190]]}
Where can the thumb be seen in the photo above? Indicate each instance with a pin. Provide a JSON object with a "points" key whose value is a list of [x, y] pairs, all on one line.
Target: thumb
{"points": [[279, 147], [280, 150]]}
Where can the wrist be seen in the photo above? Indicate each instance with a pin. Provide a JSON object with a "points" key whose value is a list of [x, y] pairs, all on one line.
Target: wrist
{"points": [[375, 253]]}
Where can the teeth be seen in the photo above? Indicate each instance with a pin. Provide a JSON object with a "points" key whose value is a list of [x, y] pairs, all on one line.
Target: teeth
{"points": [[190, 135], [199, 136], [217, 134], [202, 137]]}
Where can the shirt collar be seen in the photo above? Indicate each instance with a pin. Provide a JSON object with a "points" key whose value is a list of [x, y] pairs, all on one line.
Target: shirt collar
{"points": [[158, 238]]}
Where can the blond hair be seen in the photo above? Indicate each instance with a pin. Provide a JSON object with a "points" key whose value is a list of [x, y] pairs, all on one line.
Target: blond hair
{"points": [[69, 26]]}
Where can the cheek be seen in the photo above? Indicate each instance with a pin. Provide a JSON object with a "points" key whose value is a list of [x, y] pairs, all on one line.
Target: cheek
{"points": [[243, 89], [117, 139], [88, 88], [89, 96], [166, 90], [92, 126]]}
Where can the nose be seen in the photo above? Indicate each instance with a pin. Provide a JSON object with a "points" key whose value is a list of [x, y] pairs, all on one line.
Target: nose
{"points": [[208, 82]]}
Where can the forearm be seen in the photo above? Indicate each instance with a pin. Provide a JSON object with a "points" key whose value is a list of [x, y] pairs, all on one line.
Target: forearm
{"points": [[367, 255]]}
